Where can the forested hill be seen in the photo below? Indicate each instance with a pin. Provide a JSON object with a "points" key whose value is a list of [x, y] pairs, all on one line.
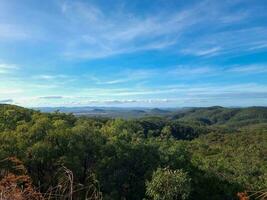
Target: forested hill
{"points": [[193, 153], [230, 116], [211, 115]]}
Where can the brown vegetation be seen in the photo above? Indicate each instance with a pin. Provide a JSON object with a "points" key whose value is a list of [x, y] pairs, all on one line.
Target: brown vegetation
{"points": [[13, 187], [15, 184], [242, 196]]}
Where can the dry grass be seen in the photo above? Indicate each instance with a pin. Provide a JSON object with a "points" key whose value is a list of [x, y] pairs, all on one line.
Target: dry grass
{"points": [[15, 184], [259, 195]]}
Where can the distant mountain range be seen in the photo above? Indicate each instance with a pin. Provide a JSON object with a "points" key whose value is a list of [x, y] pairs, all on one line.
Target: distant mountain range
{"points": [[112, 111], [207, 115], [216, 115]]}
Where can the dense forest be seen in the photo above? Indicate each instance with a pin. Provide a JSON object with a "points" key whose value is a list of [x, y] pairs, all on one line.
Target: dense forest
{"points": [[211, 153]]}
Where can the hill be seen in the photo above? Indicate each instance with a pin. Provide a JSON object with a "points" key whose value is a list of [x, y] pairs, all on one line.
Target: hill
{"points": [[202, 153], [112, 112], [225, 116]]}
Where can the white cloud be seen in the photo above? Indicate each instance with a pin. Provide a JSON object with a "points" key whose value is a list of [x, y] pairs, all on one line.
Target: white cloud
{"points": [[109, 35], [189, 95], [51, 77], [228, 42], [82, 30], [193, 70], [51, 97], [124, 32], [235, 17], [126, 76], [176, 90], [249, 69], [203, 52], [6, 100], [7, 68], [7, 91], [259, 45]]}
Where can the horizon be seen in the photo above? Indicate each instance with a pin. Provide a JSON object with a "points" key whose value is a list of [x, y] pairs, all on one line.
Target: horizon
{"points": [[132, 107], [134, 54]]}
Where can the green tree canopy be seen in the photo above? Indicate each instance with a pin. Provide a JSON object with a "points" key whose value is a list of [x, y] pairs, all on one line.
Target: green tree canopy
{"points": [[169, 184]]}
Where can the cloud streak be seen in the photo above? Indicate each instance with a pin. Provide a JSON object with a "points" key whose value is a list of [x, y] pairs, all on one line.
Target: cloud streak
{"points": [[251, 69], [85, 30], [109, 36], [6, 100], [7, 68], [175, 96], [51, 97]]}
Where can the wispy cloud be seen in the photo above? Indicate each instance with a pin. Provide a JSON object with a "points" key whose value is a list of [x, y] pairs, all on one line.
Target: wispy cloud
{"points": [[51, 76], [126, 76], [6, 100], [84, 30], [259, 45], [179, 95], [120, 102], [7, 68], [235, 17], [109, 36], [250, 69], [203, 52], [51, 97], [193, 70], [177, 90], [13, 32], [180, 72], [228, 42], [6, 91]]}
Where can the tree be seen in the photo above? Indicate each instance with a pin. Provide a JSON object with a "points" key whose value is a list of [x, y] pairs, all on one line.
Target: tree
{"points": [[169, 184]]}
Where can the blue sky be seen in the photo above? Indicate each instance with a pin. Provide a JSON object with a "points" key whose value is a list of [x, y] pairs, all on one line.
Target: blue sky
{"points": [[160, 53]]}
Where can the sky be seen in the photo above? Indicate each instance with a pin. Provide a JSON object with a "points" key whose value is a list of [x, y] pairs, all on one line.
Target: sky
{"points": [[133, 53]]}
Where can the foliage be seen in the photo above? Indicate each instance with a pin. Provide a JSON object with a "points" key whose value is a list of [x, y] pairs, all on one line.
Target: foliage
{"points": [[169, 184], [210, 153]]}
